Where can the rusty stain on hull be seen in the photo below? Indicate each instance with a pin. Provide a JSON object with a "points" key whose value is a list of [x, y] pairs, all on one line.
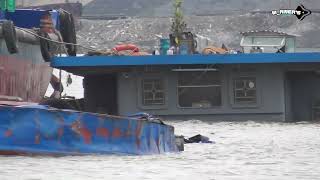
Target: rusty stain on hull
{"points": [[116, 133], [8, 133], [103, 132], [86, 134]]}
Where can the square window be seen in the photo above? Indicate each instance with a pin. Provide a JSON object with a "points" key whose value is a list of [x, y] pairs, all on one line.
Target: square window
{"points": [[153, 92], [199, 89], [244, 90]]}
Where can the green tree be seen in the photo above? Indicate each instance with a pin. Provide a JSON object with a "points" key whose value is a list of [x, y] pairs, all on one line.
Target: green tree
{"points": [[178, 24]]}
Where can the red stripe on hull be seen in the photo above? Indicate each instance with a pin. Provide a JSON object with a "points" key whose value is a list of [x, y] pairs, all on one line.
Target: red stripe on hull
{"points": [[21, 78], [12, 153], [18, 153]]}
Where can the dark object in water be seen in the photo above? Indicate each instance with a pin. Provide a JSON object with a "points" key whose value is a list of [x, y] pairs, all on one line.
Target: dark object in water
{"points": [[180, 143], [198, 139]]}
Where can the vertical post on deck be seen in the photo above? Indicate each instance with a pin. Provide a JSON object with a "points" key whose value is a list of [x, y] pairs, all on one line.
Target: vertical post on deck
{"points": [[60, 83]]}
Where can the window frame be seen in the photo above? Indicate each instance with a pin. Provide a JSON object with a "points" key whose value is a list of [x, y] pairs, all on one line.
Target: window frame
{"points": [[140, 91], [153, 90], [200, 86], [237, 75], [235, 89]]}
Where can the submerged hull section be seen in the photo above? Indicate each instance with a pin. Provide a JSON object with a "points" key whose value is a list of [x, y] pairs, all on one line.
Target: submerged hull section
{"points": [[41, 131], [25, 74]]}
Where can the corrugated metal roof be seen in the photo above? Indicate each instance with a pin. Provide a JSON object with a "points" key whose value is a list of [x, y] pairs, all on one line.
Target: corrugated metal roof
{"points": [[267, 33]]}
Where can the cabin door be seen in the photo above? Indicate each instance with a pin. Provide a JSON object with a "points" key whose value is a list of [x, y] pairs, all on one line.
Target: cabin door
{"points": [[101, 94], [302, 96]]}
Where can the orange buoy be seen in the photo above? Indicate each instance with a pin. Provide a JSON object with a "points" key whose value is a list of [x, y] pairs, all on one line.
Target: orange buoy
{"points": [[125, 47]]}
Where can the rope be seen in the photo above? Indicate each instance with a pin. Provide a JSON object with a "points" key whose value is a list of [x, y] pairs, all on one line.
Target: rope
{"points": [[54, 41]]}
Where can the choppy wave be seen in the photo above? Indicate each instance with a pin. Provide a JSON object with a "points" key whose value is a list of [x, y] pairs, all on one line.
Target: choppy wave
{"points": [[243, 150]]}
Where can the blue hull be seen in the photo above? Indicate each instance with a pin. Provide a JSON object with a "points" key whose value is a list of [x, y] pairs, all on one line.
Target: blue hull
{"points": [[41, 131]]}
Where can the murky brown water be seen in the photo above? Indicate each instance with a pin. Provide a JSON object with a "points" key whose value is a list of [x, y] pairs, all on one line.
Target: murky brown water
{"points": [[244, 150]]}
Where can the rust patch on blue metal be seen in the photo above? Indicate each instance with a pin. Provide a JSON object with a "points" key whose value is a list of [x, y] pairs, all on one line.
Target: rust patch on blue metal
{"points": [[116, 133], [138, 133], [81, 130], [86, 134], [8, 133], [60, 133], [103, 132], [37, 139]]}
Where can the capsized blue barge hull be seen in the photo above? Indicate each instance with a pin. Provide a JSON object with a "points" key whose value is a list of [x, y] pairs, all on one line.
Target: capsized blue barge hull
{"points": [[37, 130]]}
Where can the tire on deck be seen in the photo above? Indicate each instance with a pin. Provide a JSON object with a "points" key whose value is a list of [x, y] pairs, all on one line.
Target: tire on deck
{"points": [[68, 31], [10, 36]]}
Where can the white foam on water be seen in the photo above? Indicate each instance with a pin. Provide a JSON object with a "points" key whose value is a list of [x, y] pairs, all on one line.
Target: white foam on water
{"points": [[243, 150]]}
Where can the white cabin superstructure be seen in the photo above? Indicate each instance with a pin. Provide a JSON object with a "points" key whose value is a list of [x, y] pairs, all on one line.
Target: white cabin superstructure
{"points": [[267, 42]]}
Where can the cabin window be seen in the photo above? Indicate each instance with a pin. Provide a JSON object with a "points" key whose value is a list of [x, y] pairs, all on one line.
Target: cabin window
{"points": [[245, 91], [263, 41], [199, 89], [266, 44], [153, 92]]}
